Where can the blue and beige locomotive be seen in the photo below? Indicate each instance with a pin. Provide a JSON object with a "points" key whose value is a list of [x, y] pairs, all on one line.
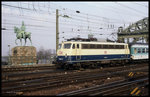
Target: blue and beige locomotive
{"points": [[79, 54], [84, 54]]}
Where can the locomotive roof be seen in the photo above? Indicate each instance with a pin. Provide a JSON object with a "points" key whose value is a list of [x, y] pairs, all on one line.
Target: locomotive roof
{"points": [[94, 42]]}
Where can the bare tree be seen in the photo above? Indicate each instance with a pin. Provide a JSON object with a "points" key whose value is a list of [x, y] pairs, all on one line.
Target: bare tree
{"points": [[48, 53], [54, 51], [44, 55], [40, 53]]}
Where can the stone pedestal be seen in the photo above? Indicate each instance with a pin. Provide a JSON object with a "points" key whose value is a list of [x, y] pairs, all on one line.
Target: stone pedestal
{"points": [[23, 55]]}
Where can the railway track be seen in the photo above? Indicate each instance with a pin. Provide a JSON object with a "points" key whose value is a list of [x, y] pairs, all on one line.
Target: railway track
{"points": [[59, 80], [40, 73], [10, 69], [108, 89]]}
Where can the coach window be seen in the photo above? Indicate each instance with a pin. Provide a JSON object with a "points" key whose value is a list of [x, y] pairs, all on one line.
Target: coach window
{"points": [[73, 46], [143, 50], [139, 50], [146, 50], [77, 46], [135, 50]]}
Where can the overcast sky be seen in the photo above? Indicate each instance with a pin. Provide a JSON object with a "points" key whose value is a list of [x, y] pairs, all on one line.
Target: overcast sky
{"points": [[97, 18]]}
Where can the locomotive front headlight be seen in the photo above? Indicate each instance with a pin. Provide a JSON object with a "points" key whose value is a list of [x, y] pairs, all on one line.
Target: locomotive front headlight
{"points": [[60, 58]]}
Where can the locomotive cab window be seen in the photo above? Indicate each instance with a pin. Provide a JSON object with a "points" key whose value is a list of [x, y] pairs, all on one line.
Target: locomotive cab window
{"points": [[67, 46], [59, 47]]}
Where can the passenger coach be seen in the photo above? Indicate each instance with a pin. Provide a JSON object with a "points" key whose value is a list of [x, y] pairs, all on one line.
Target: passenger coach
{"points": [[139, 51], [75, 52]]}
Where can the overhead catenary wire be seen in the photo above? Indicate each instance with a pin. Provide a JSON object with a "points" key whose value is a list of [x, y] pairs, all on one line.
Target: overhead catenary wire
{"points": [[48, 27], [96, 16], [45, 11], [76, 18], [141, 4], [60, 26], [60, 22], [50, 21], [84, 20], [116, 11], [135, 10], [28, 25]]}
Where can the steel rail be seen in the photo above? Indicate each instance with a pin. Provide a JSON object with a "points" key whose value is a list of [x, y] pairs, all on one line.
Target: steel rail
{"points": [[15, 69], [58, 81], [100, 87], [109, 91], [26, 73], [83, 73]]}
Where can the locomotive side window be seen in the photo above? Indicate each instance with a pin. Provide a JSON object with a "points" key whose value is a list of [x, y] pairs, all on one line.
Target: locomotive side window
{"points": [[84, 46], [99, 46], [105, 46], [111, 46], [67, 46], [77, 46], [121, 47], [92, 46], [73, 46], [116, 46]]}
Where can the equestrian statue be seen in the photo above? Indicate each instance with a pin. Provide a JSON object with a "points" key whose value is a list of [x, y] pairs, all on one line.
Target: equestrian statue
{"points": [[22, 34]]}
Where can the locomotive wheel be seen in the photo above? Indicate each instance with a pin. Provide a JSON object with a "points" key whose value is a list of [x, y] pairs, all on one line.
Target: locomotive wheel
{"points": [[66, 66], [77, 66], [58, 66]]}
